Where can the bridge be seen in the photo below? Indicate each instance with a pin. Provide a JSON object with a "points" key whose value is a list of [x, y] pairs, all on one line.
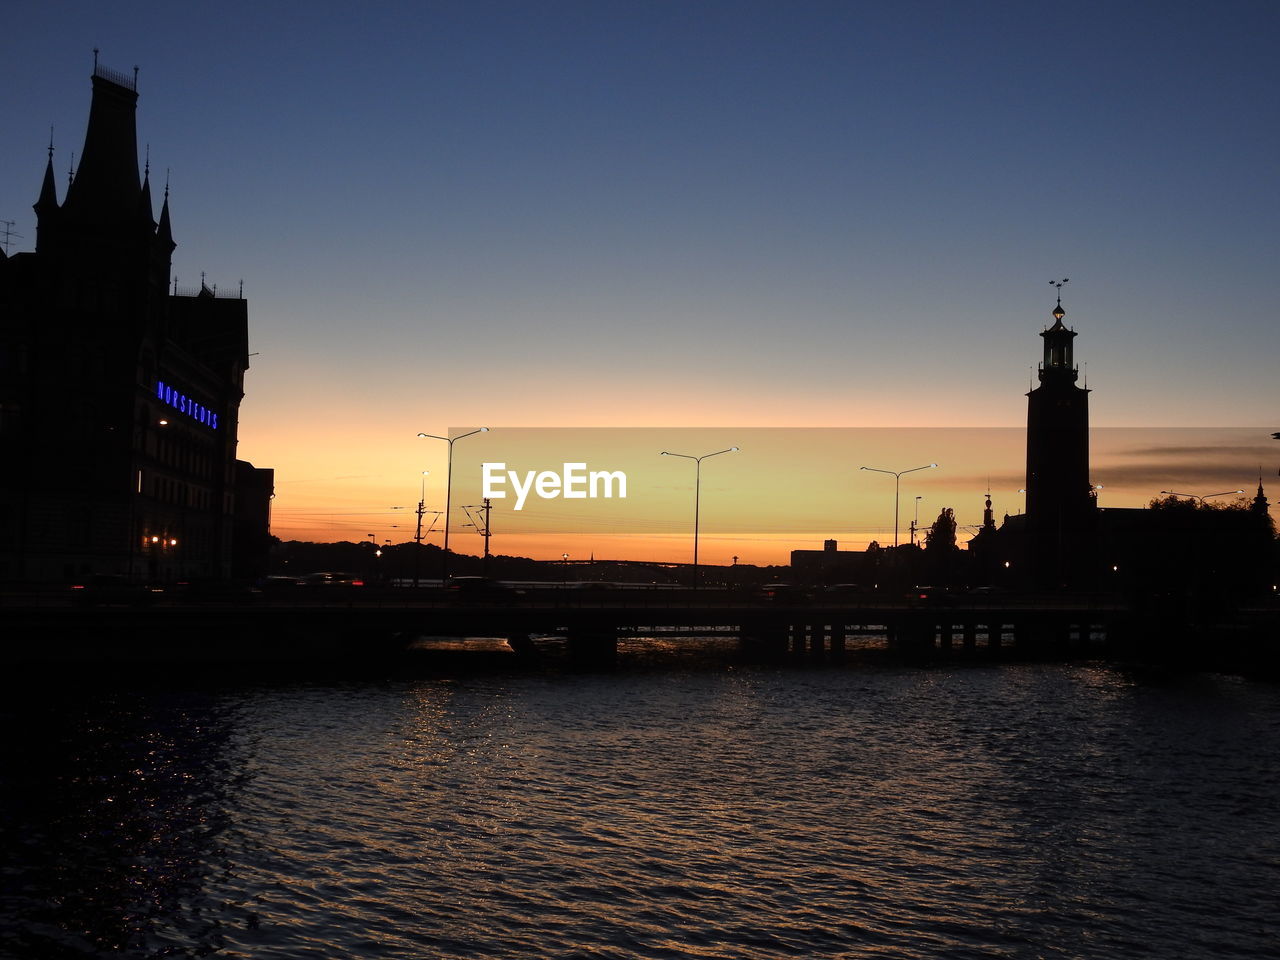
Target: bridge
{"points": [[362, 626]]}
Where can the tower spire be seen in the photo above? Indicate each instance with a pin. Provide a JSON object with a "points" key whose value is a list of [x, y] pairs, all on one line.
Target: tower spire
{"points": [[164, 230], [1260, 504], [46, 205], [48, 189], [144, 198], [104, 193], [1057, 343], [1058, 312]]}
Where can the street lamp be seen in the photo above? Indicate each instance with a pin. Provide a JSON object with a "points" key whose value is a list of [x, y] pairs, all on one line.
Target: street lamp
{"points": [[915, 524], [897, 480], [417, 533], [448, 491], [697, 496], [1207, 496]]}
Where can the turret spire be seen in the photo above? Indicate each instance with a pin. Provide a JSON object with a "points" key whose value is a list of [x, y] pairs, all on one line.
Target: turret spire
{"points": [[1057, 342], [104, 193], [48, 189], [164, 231], [1260, 505], [46, 206], [144, 199], [1058, 312]]}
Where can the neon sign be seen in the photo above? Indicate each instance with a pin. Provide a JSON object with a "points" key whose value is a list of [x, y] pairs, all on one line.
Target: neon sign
{"points": [[184, 404]]}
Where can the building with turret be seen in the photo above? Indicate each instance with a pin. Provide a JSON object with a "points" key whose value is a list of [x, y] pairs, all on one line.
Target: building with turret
{"points": [[1061, 509], [119, 394]]}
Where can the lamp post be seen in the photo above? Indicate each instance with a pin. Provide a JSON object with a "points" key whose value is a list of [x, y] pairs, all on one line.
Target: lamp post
{"points": [[417, 533], [1207, 496], [915, 523], [697, 496], [897, 480], [448, 491]]}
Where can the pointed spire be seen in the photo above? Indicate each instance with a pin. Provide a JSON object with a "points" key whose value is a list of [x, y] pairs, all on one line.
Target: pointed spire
{"points": [[144, 198], [1058, 312], [48, 190], [46, 205], [1260, 504], [164, 231]]}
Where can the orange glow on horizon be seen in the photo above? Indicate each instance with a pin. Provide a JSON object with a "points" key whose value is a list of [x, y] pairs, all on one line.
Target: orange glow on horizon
{"points": [[788, 488]]}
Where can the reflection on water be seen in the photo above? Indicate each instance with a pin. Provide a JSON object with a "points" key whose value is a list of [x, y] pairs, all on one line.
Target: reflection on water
{"points": [[1048, 811]]}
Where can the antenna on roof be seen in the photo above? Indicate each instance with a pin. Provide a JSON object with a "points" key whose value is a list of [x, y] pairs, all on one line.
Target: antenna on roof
{"points": [[9, 234]]}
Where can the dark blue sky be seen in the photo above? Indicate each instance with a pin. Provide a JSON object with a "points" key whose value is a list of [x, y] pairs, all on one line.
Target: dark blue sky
{"points": [[688, 213]]}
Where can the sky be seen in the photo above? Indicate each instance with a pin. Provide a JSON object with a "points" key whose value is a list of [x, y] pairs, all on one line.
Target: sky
{"points": [[694, 214]]}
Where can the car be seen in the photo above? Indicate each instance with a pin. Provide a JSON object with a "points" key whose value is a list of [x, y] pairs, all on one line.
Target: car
{"points": [[111, 588], [479, 588], [781, 593], [279, 582], [327, 579], [842, 589]]}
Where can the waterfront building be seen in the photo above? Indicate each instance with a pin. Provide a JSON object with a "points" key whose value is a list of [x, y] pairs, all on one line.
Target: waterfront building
{"points": [[119, 393]]}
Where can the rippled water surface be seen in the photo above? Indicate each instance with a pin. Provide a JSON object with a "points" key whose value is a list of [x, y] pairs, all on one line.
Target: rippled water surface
{"points": [[1015, 811]]}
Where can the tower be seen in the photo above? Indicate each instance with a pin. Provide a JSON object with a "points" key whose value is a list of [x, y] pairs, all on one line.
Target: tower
{"points": [[1260, 506], [1060, 505]]}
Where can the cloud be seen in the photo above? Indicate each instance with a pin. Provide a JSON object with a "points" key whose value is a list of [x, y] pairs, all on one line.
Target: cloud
{"points": [[1188, 451]]}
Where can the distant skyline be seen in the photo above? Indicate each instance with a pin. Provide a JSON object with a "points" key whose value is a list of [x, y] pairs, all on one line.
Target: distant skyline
{"points": [[689, 214]]}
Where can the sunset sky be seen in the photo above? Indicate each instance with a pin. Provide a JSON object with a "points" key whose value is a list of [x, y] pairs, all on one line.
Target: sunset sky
{"points": [[727, 215]]}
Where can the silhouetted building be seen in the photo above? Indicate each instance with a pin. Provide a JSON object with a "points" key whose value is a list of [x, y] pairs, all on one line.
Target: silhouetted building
{"points": [[1260, 506], [1060, 502], [832, 565], [251, 539], [119, 396], [984, 548]]}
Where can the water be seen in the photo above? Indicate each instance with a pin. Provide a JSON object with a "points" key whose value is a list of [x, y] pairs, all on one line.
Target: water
{"points": [[1014, 811]]}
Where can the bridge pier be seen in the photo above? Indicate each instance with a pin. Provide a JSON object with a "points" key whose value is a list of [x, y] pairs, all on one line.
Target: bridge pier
{"points": [[522, 644], [913, 635], [593, 648], [817, 639], [767, 641]]}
